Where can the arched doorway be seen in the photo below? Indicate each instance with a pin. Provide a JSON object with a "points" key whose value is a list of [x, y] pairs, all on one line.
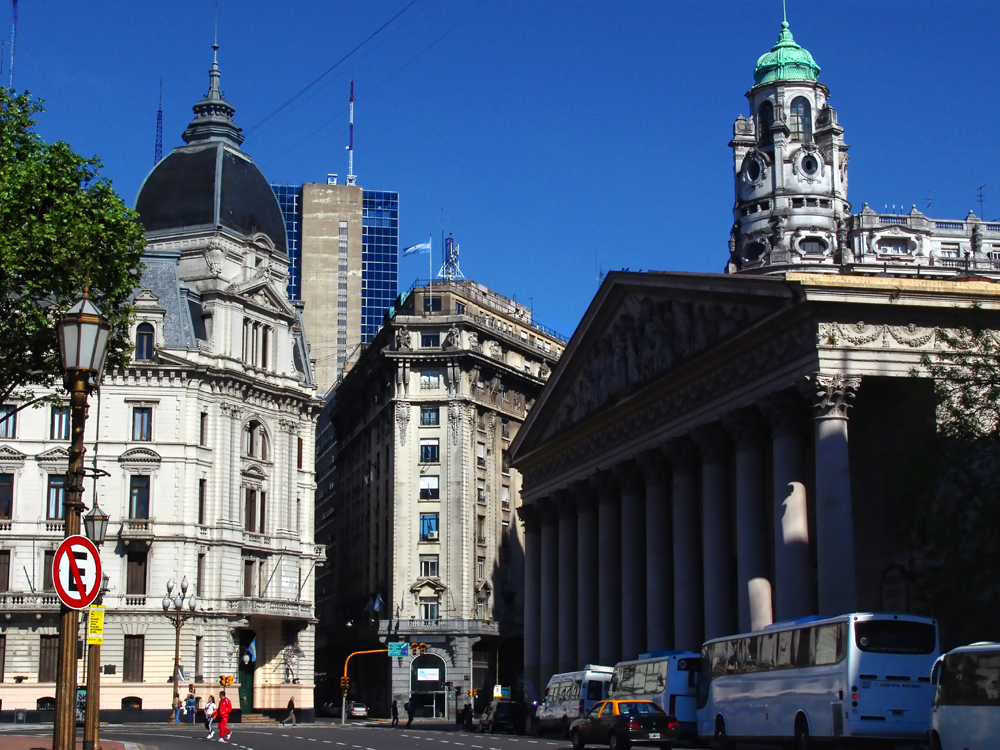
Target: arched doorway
{"points": [[428, 674]]}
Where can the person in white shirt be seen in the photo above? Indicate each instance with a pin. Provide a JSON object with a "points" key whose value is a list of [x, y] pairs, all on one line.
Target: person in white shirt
{"points": [[210, 716]]}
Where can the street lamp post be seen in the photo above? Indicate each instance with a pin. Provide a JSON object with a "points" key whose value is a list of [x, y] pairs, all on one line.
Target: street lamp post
{"points": [[178, 617], [95, 524], [83, 345]]}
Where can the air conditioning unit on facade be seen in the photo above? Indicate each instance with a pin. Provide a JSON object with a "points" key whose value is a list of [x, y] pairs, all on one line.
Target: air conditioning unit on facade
{"points": [[432, 536]]}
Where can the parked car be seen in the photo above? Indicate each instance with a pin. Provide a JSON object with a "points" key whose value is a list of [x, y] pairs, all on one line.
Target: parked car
{"points": [[356, 710], [621, 724], [502, 716]]}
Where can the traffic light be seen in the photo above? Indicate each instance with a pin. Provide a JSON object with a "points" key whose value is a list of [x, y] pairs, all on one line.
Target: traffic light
{"points": [[345, 683], [416, 648], [226, 679]]}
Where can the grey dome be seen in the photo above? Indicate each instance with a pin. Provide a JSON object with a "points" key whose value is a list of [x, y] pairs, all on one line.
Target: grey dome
{"points": [[210, 182]]}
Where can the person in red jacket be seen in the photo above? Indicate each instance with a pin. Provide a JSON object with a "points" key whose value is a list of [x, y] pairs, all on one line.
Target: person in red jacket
{"points": [[225, 708]]}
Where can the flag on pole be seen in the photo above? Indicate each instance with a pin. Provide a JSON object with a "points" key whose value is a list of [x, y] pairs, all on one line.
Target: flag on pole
{"points": [[419, 249], [378, 603], [252, 650]]}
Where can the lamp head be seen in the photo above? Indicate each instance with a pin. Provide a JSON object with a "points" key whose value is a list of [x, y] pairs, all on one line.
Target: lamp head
{"points": [[166, 603], [95, 524], [170, 585], [184, 585], [178, 601], [192, 602], [83, 337]]}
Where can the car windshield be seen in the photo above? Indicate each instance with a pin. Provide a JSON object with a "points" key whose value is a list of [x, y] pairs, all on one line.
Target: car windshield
{"points": [[638, 707]]}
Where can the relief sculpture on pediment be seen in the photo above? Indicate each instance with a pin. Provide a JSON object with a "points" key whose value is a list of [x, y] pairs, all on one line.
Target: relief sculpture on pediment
{"points": [[647, 339]]}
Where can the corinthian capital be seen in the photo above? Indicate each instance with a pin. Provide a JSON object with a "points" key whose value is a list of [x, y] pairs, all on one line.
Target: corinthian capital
{"points": [[834, 392]]}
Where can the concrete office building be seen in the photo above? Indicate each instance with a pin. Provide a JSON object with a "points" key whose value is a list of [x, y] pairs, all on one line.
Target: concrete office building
{"points": [[344, 249], [206, 438], [417, 501], [710, 454]]}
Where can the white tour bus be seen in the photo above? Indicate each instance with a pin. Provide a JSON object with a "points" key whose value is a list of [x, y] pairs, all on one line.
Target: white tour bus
{"points": [[668, 678], [569, 696], [852, 676], [966, 713]]}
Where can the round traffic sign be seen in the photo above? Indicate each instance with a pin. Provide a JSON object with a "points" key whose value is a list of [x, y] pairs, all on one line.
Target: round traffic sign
{"points": [[76, 572]]}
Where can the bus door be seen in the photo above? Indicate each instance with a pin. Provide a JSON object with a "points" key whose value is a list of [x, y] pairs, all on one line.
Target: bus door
{"points": [[682, 684]]}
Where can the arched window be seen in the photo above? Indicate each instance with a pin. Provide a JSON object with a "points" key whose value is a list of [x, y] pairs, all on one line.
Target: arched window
{"points": [[765, 119], [144, 342], [800, 123], [255, 443]]}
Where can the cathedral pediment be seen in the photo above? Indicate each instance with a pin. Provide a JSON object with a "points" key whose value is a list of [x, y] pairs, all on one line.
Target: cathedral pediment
{"points": [[144, 456], [428, 587], [259, 293], [640, 328], [10, 455], [58, 455]]}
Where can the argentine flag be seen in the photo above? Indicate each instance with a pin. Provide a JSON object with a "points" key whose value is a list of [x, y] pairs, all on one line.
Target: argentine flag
{"points": [[252, 650], [423, 247]]}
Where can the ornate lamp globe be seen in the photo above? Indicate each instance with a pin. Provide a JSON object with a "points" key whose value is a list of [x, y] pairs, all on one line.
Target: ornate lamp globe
{"points": [[166, 603], [83, 337]]}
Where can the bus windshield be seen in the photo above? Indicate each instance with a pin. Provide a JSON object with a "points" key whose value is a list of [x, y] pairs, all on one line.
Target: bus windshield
{"points": [[970, 679], [895, 637]]}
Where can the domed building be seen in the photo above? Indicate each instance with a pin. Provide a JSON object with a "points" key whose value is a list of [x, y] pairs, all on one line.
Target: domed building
{"points": [[207, 442]]}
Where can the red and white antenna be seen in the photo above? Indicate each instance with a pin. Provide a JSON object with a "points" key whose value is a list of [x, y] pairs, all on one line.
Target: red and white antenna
{"points": [[351, 177]]}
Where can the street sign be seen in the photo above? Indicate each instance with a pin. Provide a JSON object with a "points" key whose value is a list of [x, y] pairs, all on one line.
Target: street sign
{"points": [[398, 648], [95, 626], [76, 572], [497, 691]]}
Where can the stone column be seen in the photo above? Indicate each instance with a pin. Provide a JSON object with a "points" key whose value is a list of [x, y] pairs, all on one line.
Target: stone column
{"points": [[567, 582], [753, 585], [792, 584], [532, 601], [587, 646], [633, 548], [659, 552], [549, 607], [834, 515], [609, 573], [689, 629], [717, 537]]}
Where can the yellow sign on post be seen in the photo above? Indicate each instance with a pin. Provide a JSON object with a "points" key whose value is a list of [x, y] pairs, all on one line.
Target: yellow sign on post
{"points": [[95, 627]]}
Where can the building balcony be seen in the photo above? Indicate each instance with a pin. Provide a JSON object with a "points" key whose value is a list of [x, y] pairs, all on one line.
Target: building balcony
{"points": [[24, 601], [253, 539], [136, 528], [417, 627], [248, 605]]}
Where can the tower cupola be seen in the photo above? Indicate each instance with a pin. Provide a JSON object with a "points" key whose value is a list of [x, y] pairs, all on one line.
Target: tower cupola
{"points": [[790, 168]]}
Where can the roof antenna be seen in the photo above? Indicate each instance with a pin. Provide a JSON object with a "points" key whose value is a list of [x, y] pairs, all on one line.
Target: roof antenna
{"points": [[216, 43], [13, 45], [351, 177], [158, 153]]}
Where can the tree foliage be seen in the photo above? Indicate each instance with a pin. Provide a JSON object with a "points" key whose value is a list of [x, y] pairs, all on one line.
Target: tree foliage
{"points": [[950, 504], [61, 226]]}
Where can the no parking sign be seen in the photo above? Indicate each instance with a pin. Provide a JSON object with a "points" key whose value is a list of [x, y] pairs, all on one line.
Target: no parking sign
{"points": [[76, 572]]}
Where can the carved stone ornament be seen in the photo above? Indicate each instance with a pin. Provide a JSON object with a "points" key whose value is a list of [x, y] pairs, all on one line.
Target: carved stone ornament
{"points": [[402, 419], [496, 351], [140, 456], [263, 299], [754, 168], [649, 338], [403, 339], [743, 126], [454, 337], [800, 170], [833, 394], [214, 256], [454, 419], [474, 340], [977, 238], [862, 334]]}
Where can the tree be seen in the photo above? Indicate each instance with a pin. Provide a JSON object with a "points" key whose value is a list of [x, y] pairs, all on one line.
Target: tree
{"points": [[949, 487], [61, 227]]}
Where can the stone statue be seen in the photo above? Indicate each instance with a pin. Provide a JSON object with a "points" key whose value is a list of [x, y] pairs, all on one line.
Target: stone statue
{"points": [[454, 338], [474, 340], [977, 239], [403, 339]]}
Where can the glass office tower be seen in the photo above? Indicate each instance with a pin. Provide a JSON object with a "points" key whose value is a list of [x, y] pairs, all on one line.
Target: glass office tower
{"points": [[379, 258], [288, 199]]}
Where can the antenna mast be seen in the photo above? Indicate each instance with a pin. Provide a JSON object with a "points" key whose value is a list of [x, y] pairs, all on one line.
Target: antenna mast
{"points": [[351, 177], [13, 44], [979, 191], [159, 129], [450, 270]]}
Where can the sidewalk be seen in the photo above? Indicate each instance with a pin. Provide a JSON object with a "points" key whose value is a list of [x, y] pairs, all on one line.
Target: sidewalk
{"points": [[20, 742]]}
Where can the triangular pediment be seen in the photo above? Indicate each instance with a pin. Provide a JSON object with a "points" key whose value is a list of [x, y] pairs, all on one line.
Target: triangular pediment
{"points": [[432, 586], [259, 293], [11, 455], [253, 471], [640, 329], [53, 455]]}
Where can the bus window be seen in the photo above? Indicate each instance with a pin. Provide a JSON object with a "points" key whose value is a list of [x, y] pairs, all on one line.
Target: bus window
{"points": [[801, 647], [594, 690], [627, 682], [970, 679], [783, 658], [768, 646], [829, 648], [895, 637]]}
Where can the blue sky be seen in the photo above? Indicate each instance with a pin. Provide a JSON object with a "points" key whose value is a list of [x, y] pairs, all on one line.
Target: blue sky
{"points": [[564, 134]]}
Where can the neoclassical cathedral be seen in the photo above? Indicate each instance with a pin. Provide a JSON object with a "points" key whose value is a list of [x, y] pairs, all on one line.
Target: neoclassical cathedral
{"points": [[710, 454], [206, 441]]}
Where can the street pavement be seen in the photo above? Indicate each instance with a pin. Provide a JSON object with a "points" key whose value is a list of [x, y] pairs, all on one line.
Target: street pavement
{"points": [[424, 734]]}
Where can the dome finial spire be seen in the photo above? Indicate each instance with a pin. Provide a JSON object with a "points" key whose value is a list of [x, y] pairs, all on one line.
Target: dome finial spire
{"points": [[784, 12]]}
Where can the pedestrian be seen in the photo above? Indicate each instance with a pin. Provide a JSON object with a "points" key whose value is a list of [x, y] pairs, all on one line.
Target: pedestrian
{"points": [[291, 712], [225, 708], [409, 712], [191, 706], [210, 716], [177, 704], [395, 714], [468, 717]]}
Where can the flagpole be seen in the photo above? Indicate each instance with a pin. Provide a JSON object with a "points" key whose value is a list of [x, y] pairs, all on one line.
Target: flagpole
{"points": [[430, 272]]}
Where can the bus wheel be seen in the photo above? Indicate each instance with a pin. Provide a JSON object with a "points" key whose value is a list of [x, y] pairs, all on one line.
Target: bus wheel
{"points": [[935, 741], [721, 740], [801, 733]]}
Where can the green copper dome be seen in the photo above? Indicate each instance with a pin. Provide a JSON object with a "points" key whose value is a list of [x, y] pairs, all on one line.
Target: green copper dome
{"points": [[786, 61]]}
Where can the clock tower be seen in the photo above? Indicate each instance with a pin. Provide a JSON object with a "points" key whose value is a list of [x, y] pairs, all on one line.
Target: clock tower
{"points": [[790, 169]]}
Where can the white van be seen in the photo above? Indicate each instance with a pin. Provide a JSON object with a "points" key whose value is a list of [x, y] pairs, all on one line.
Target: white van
{"points": [[668, 678], [966, 710], [569, 696]]}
